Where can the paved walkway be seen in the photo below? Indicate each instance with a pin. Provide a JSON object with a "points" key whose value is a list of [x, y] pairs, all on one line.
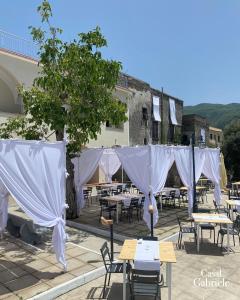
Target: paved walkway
{"points": [[210, 275]]}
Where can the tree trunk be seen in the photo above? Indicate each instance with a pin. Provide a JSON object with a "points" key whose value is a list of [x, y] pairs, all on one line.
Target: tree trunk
{"points": [[71, 212]]}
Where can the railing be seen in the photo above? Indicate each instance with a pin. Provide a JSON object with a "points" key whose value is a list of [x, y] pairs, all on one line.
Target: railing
{"points": [[18, 45]]}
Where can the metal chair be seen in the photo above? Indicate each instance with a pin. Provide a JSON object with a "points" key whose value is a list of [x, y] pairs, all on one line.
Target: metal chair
{"points": [[145, 283], [209, 227], [106, 207], [110, 266], [234, 230], [185, 229]]}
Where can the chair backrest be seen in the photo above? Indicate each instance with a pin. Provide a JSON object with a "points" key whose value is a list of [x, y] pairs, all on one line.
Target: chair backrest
{"points": [[145, 283], [134, 202], [236, 223], [103, 202], [105, 254], [172, 193]]}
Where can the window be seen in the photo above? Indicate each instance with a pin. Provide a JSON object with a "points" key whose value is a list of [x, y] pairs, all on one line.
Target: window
{"points": [[218, 138], [144, 113], [145, 141], [109, 125], [171, 133], [211, 136], [155, 130]]}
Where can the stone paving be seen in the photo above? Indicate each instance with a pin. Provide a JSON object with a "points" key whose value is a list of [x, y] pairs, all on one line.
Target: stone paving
{"points": [[167, 224], [209, 275], [27, 271]]}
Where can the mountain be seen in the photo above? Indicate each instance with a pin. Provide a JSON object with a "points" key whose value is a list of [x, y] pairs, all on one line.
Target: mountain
{"points": [[218, 115]]}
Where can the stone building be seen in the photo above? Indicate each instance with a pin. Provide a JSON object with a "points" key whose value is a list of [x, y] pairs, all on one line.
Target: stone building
{"points": [[143, 128], [215, 137], [195, 124], [209, 136]]}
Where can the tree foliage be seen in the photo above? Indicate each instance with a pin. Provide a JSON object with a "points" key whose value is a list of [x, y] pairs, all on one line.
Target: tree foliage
{"points": [[73, 74], [231, 149]]}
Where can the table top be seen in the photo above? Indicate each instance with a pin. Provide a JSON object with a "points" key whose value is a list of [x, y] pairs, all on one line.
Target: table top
{"points": [[198, 187], [211, 218], [166, 251], [232, 202], [122, 197], [236, 183]]}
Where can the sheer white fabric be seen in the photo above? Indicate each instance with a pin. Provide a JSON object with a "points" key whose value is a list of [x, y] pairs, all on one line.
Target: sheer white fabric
{"points": [[3, 206], [156, 109], [109, 163], [173, 112], [203, 135], [147, 167], [183, 159], [84, 167], [212, 171], [34, 173]]}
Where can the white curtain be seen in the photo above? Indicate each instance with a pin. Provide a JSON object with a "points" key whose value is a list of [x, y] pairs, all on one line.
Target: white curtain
{"points": [[3, 206], [147, 167], [156, 109], [161, 161], [34, 173], [173, 112], [109, 163], [211, 171], [183, 159], [84, 167]]}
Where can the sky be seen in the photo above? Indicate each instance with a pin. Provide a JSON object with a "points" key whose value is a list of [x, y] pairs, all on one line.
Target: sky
{"points": [[190, 48]]}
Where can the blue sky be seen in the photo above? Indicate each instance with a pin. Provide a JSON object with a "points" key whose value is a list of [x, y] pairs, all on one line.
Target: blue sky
{"points": [[191, 48]]}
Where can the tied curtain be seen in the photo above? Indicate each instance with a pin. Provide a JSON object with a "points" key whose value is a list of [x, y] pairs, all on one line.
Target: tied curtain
{"points": [[109, 163], [34, 174], [147, 167], [84, 167], [183, 159], [212, 171]]}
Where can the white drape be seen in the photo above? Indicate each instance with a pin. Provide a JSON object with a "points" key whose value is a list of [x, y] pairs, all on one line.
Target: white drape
{"points": [[183, 159], [34, 173], [3, 206], [173, 112], [156, 109], [109, 163], [147, 167], [211, 171], [84, 167]]}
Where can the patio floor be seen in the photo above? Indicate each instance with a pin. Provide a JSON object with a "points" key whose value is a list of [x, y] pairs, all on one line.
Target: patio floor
{"points": [[167, 224], [209, 275]]}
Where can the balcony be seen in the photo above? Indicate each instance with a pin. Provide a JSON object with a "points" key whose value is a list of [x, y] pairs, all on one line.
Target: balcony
{"points": [[17, 45]]}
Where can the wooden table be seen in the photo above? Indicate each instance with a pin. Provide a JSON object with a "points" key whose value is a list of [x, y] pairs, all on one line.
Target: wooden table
{"points": [[211, 218], [167, 255], [232, 203]]}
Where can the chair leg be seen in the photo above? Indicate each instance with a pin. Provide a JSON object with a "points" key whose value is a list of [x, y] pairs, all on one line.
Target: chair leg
{"points": [[217, 238], [105, 281], [222, 241], [179, 239], [234, 240], [109, 277]]}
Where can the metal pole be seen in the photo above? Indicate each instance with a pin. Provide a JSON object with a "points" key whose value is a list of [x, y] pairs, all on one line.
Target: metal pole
{"points": [[195, 206], [161, 123], [111, 238], [150, 210]]}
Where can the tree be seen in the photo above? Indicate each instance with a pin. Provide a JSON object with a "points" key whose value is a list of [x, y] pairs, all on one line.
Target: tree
{"points": [[231, 149], [72, 74]]}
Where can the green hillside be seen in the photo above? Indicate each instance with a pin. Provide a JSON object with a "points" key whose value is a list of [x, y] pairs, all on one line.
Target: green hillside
{"points": [[218, 115]]}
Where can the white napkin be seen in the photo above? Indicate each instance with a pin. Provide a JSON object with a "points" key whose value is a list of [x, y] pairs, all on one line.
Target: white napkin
{"points": [[147, 256]]}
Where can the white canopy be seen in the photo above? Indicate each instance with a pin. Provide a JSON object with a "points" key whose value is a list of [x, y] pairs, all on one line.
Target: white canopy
{"points": [[148, 166], [34, 174], [109, 163]]}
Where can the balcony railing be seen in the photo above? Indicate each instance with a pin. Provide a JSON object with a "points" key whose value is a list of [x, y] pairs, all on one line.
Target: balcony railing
{"points": [[18, 45]]}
